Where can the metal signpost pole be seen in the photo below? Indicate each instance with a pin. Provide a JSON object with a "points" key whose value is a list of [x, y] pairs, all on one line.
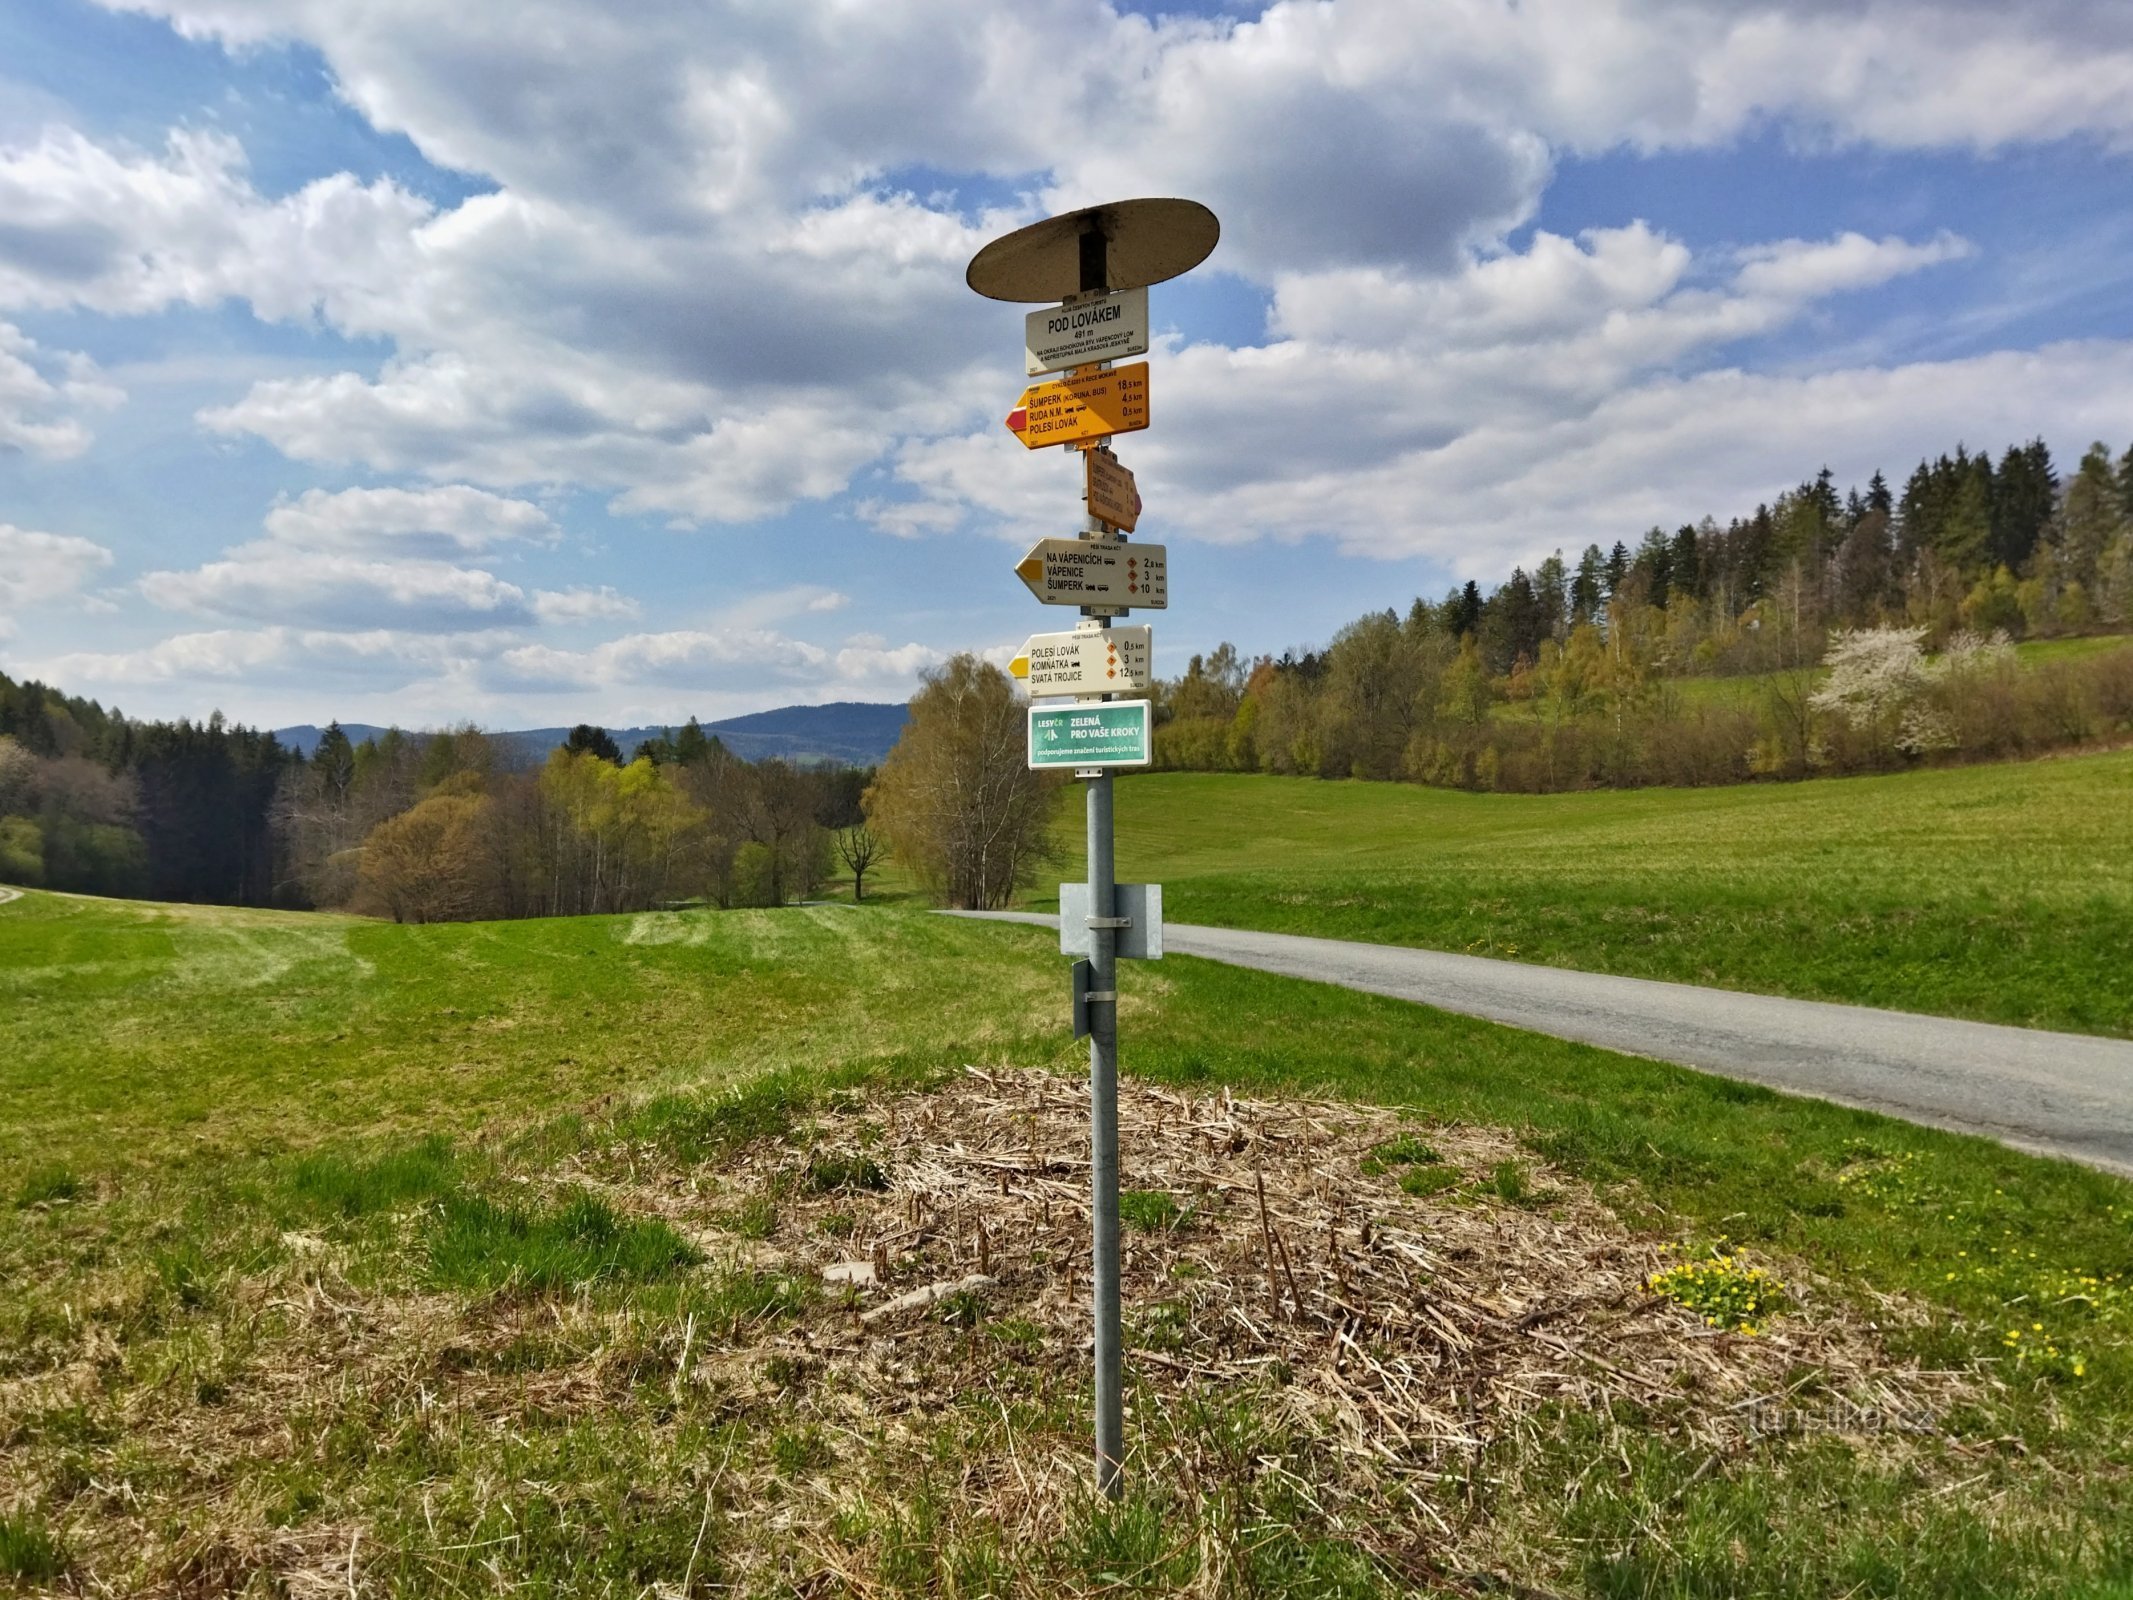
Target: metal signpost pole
{"points": [[1103, 1047], [1103, 1140]]}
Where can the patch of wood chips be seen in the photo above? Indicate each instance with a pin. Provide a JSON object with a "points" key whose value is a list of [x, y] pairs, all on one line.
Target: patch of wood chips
{"points": [[1406, 1333], [1409, 1321]]}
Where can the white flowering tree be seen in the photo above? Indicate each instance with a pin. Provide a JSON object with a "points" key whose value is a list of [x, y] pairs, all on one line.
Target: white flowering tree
{"points": [[1881, 683], [1876, 675]]}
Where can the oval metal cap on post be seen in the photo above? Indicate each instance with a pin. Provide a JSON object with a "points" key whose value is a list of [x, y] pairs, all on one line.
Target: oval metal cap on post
{"points": [[1146, 241]]}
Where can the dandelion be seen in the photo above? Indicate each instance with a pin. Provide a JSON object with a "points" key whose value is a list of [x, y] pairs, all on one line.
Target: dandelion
{"points": [[1722, 1289]]}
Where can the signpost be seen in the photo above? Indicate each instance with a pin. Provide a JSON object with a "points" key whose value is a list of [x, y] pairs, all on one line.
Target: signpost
{"points": [[1088, 661], [1109, 491], [1073, 410], [1095, 262], [1099, 328], [1097, 572]]}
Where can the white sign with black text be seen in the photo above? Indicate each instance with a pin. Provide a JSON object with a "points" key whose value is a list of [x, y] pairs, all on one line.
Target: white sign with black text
{"points": [[1101, 328]]}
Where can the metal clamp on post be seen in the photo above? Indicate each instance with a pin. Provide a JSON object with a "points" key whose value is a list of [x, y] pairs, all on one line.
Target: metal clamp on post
{"points": [[1107, 922], [1084, 997]]}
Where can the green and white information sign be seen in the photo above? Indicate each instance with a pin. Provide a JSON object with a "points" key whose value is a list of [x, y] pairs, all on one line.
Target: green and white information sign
{"points": [[1111, 734]]}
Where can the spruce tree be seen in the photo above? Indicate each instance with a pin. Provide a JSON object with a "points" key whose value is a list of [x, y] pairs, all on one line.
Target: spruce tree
{"points": [[586, 739], [1467, 617], [1965, 537], [1655, 566], [1513, 624], [1588, 588], [2023, 493], [2089, 519], [690, 745], [1920, 512], [1685, 564], [1551, 583]]}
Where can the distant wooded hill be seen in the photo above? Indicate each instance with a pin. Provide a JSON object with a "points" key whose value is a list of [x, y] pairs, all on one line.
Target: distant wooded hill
{"points": [[844, 733]]}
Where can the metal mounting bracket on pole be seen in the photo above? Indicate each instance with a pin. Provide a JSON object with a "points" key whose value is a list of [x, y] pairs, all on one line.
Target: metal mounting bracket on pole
{"points": [[1136, 923], [1082, 969]]}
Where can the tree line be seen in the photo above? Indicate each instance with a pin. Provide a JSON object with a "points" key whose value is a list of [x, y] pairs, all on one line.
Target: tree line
{"points": [[1573, 675], [415, 826], [1581, 675], [438, 827], [95, 802]]}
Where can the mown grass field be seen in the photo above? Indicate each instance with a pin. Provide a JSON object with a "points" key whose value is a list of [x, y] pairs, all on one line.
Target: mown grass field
{"points": [[339, 1256], [2002, 893]]}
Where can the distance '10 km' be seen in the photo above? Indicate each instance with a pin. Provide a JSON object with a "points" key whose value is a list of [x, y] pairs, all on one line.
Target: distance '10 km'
{"points": [[1097, 572]]}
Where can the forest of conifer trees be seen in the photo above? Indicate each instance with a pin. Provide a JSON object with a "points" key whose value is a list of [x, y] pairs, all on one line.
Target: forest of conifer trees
{"points": [[1579, 674]]}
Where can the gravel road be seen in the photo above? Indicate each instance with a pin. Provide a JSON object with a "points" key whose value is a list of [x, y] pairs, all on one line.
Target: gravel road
{"points": [[2057, 1094]]}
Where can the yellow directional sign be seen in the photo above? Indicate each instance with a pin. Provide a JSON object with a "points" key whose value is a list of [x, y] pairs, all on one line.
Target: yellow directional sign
{"points": [[1086, 661], [1070, 410], [1110, 493], [1097, 572]]}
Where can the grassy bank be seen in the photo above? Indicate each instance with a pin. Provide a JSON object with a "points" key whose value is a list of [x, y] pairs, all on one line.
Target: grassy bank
{"points": [[2003, 893], [1750, 689], [469, 1260]]}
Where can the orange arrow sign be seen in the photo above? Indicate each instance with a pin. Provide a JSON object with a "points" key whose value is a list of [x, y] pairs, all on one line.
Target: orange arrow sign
{"points": [[1071, 410]]}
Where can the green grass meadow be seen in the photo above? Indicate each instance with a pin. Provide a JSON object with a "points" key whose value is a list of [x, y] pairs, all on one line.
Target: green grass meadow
{"points": [[2002, 893], [421, 1156]]}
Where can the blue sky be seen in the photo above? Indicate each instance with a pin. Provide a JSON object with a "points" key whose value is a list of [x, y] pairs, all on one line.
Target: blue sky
{"points": [[518, 364]]}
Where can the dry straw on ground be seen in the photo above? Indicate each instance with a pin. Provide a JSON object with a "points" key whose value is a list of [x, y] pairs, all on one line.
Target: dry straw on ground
{"points": [[1396, 1348], [1403, 1334]]}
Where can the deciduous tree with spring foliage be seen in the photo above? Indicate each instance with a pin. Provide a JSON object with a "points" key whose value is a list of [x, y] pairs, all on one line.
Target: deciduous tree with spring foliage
{"points": [[956, 798]]}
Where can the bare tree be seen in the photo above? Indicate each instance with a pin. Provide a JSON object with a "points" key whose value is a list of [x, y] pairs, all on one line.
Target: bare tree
{"points": [[779, 808], [859, 846]]}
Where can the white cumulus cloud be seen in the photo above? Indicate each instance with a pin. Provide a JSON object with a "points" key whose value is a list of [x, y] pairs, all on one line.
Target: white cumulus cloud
{"points": [[44, 397], [743, 298], [39, 568], [447, 520], [363, 557]]}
